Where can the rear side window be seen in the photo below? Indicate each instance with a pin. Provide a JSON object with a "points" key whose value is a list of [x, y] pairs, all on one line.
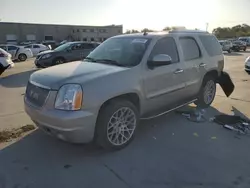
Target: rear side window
{"points": [[190, 48], [211, 45], [36, 46], [166, 46]]}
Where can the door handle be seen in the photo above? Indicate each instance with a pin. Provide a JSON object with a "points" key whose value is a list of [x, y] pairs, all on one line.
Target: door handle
{"points": [[202, 65], [178, 71]]}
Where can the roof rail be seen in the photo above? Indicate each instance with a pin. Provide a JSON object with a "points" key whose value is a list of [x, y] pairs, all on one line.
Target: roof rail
{"points": [[187, 31]]}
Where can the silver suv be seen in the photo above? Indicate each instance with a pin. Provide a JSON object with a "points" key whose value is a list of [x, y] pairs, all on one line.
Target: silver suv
{"points": [[126, 78]]}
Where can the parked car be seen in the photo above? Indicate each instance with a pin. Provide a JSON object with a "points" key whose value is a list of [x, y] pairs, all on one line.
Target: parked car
{"points": [[247, 64], [71, 51], [5, 61], [239, 45], [245, 39], [125, 78], [51, 44], [37, 48], [226, 45], [17, 52]]}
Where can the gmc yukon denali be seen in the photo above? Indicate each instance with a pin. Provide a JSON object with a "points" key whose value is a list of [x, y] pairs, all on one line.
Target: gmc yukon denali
{"points": [[125, 79]]}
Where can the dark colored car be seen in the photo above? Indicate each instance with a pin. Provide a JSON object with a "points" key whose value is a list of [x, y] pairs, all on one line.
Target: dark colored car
{"points": [[239, 45], [70, 51]]}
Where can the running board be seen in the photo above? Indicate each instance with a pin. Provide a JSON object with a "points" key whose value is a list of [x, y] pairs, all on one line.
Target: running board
{"points": [[158, 115]]}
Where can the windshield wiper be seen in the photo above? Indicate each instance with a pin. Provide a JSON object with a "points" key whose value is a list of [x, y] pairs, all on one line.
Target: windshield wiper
{"points": [[110, 62], [89, 59]]}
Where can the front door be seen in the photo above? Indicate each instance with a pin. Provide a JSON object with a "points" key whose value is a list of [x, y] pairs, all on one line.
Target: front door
{"points": [[13, 51], [164, 85]]}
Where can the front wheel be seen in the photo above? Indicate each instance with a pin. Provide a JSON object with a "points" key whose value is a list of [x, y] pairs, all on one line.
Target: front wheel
{"points": [[58, 61], [207, 92], [116, 124]]}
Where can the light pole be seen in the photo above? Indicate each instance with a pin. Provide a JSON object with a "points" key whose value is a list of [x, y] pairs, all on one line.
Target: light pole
{"points": [[207, 26]]}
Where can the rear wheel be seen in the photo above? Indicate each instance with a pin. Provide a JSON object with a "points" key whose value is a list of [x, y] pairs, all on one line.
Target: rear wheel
{"points": [[22, 57], [116, 124], [245, 49], [207, 92], [229, 51]]}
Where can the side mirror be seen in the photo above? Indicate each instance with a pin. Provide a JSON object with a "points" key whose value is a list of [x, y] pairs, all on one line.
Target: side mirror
{"points": [[159, 60]]}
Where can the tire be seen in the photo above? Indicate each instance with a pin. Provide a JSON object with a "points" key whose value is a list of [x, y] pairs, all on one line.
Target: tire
{"points": [[245, 49], [104, 125], [22, 57], [58, 61], [229, 51], [203, 100], [2, 69]]}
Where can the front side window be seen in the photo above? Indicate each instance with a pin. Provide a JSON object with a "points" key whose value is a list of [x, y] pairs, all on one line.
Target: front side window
{"points": [[125, 51], [190, 48], [88, 45], [12, 48], [36, 46], [166, 46], [62, 47], [29, 46]]}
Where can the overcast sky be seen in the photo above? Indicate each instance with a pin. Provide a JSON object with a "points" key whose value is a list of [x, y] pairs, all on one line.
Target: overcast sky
{"points": [[133, 14]]}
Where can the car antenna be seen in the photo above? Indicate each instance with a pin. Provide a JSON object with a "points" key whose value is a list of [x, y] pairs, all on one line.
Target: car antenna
{"points": [[145, 33]]}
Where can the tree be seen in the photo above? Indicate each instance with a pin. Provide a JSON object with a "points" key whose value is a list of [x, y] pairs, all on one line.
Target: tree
{"points": [[167, 28], [146, 30], [132, 31], [232, 32]]}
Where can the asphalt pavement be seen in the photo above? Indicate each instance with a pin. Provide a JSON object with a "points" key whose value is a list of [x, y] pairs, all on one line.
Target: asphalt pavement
{"points": [[169, 151]]}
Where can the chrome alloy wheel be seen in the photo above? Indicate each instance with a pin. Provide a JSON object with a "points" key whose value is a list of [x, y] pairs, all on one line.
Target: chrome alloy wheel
{"points": [[209, 91], [121, 126]]}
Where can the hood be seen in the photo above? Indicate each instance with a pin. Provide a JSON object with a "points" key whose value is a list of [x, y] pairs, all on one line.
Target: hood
{"points": [[74, 72], [45, 52]]}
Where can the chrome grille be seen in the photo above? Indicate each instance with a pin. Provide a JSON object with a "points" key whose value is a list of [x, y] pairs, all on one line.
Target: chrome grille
{"points": [[36, 95]]}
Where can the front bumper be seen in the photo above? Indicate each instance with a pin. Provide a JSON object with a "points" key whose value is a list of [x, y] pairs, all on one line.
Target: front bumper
{"points": [[75, 127], [43, 63]]}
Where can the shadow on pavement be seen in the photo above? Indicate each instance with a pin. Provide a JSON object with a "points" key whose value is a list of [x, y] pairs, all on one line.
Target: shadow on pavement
{"points": [[16, 80], [164, 153]]}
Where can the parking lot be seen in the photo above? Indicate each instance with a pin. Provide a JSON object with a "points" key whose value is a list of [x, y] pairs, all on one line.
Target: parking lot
{"points": [[169, 151]]}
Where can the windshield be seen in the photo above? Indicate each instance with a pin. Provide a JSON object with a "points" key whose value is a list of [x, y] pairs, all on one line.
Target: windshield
{"points": [[125, 51], [62, 47]]}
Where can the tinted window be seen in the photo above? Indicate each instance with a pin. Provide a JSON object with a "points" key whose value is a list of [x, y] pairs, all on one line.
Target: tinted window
{"points": [[12, 48], [166, 46], [190, 48], [88, 45], [77, 46], [4, 48], [211, 45], [36, 46], [29, 46]]}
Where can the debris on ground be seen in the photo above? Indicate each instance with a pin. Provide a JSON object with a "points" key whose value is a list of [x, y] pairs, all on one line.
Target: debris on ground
{"points": [[7, 135], [196, 115], [213, 137], [196, 134], [234, 123]]}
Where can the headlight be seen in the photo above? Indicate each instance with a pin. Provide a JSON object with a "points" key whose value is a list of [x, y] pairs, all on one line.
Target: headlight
{"points": [[69, 97], [46, 56]]}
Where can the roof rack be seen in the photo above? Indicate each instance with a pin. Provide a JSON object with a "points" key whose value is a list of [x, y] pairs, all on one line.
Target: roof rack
{"points": [[187, 31]]}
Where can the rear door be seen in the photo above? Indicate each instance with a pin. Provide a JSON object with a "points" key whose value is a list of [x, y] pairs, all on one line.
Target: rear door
{"points": [[194, 64], [36, 49], [164, 85], [75, 52]]}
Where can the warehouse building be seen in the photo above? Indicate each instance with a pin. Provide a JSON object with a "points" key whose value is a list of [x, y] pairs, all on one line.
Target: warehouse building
{"points": [[21, 32]]}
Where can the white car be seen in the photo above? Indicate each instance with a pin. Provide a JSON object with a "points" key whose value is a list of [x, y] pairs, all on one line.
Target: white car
{"points": [[17, 52], [37, 48], [5, 61], [247, 65]]}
